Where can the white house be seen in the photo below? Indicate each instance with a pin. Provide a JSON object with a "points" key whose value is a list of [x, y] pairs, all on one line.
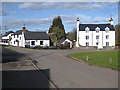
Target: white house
{"points": [[100, 35], [68, 41], [6, 38], [27, 38]]}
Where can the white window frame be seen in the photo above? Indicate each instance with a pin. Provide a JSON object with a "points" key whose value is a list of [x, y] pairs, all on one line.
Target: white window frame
{"points": [[87, 43], [87, 29], [87, 37], [107, 36], [97, 43], [107, 43], [42, 43], [32, 41], [97, 36], [97, 29], [107, 29]]}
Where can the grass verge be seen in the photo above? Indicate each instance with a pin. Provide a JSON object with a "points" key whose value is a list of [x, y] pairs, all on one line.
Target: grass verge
{"points": [[100, 58]]}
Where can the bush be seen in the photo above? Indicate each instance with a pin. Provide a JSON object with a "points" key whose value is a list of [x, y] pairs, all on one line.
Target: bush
{"points": [[37, 47], [27, 46]]}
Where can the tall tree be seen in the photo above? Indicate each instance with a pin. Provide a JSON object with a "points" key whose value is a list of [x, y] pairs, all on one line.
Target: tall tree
{"points": [[58, 29]]}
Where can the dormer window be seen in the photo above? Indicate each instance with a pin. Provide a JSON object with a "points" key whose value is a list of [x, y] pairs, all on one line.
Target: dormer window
{"points": [[107, 29], [97, 30], [87, 29]]}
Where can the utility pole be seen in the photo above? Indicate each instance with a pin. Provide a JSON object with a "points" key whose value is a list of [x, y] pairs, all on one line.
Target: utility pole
{"points": [[6, 29]]}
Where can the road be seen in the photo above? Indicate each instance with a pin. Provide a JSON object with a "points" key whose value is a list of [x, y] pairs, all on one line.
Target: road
{"points": [[19, 72], [65, 72]]}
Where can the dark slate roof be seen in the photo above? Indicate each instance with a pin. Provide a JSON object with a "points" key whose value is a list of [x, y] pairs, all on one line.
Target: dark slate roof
{"points": [[18, 32], [93, 26], [7, 33], [36, 36]]}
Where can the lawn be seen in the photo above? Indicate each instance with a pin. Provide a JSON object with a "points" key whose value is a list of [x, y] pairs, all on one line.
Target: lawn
{"points": [[100, 58]]}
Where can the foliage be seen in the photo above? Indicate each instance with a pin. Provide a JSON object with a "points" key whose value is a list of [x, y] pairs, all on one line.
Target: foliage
{"points": [[100, 58], [72, 35], [117, 35], [58, 29]]}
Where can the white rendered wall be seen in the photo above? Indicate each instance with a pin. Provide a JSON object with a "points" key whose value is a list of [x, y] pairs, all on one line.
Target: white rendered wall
{"points": [[37, 43], [16, 38], [92, 38], [111, 38], [7, 37], [82, 38]]}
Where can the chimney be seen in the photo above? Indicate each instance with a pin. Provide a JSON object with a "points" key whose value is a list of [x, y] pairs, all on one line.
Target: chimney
{"points": [[77, 42], [24, 28], [111, 21]]}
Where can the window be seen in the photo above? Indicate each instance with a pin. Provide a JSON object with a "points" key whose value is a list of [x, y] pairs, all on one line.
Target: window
{"points": [[33, 43], [20, 38], [87, 37], [107, 43], [14, 42], [97, 30], [41, 42], [87, 29], [17, 36], [87, 43], [107, 36], [97, 43], [14, 36], [107, 29], [97, 37]]}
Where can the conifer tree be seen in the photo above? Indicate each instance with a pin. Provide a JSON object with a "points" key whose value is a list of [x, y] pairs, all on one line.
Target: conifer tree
{"points": [[58, 29]]}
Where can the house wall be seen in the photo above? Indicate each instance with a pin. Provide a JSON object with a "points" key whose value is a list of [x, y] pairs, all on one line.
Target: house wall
{"points": [[111, 38], [92, 38], [14, 38], [7, 37], [37, 43]]}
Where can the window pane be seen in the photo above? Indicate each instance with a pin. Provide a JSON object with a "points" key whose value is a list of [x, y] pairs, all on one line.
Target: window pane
{"points": [[87, 37], [97, 37], [107, 43], [33, 43], [41, 42], [87, 43], [97, 43], [107, 36]]}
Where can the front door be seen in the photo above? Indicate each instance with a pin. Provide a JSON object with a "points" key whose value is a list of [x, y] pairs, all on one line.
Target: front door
{"points": [[18, 44]]}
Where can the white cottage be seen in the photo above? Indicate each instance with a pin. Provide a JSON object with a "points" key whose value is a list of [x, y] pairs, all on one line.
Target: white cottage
{"points": [[27, 38], [6, 38], [100, 35]]}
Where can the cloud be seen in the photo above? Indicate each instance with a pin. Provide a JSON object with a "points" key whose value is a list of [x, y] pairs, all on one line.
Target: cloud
{"points": [[18, 23], [101, 19], [68, 20], [5, 13], [64, 5]]}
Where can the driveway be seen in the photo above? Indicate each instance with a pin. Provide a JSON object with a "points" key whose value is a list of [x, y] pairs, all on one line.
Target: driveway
{"points": [[65, 72]]}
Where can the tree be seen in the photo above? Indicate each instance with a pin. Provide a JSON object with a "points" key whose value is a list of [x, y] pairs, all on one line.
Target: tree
{"points": [[58, 29], [117, 35], [72, 35]]}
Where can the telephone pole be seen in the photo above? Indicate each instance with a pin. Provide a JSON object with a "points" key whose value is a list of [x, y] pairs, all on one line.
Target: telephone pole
{"points": [[6, 29]]}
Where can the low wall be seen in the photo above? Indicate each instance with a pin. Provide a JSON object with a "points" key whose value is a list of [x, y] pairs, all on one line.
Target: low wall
{"points": [[1, 43]]}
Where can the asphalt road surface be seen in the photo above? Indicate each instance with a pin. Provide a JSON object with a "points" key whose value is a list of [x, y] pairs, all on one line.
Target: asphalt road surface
{"points": [[19, 72], [65, 72]]}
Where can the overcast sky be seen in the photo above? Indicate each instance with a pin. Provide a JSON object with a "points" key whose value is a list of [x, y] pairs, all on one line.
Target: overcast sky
{"points": [[39, 15]]}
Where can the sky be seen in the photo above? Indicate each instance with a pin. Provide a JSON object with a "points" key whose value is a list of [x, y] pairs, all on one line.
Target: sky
{"points": [[39, 15]]}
